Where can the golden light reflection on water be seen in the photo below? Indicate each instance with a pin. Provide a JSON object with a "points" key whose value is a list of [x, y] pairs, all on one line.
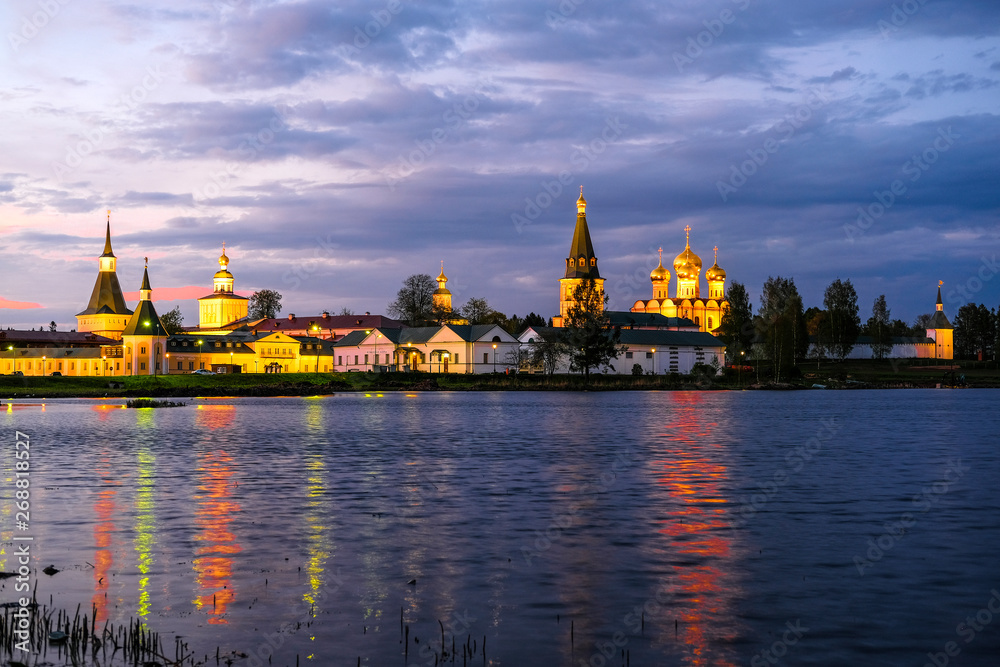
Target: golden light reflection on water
{"points": [[214, 511], [104, 530], [695, 530], [318, 539]]}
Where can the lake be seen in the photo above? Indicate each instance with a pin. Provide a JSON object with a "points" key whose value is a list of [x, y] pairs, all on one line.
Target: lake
{"points": [[653, 528]]}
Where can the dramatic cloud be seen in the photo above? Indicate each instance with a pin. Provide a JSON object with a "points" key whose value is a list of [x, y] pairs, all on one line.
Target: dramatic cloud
{"points": [[338, 148]]}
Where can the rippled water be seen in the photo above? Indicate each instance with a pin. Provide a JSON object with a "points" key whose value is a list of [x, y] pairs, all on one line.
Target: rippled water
{"points": [[684, 528]]}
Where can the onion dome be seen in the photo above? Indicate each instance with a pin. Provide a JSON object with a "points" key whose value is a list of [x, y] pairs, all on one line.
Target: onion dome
{"points": [[716, 272], [223, 271], [442, 281], [581, 203], [659, 274], [687, 266]]}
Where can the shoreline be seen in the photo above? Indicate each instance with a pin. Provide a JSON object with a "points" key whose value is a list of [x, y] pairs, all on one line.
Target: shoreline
{"points": [[307, 384]]}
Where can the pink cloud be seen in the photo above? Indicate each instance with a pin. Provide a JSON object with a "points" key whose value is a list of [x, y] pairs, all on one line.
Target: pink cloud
{"points": [[177, 293], [18, 305]]}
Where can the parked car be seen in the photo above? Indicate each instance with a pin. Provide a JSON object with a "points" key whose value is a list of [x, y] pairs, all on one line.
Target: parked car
{"points": [[203, 371], [55, 374], [17, 373]]}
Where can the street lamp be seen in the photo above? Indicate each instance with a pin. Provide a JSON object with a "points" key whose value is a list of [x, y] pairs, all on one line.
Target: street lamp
{"points": [[166, 370], [104, 366], [199, 355], [654, 361], [494, 357], [741, 368], [445, 357], [43, 364], [230, 362]]}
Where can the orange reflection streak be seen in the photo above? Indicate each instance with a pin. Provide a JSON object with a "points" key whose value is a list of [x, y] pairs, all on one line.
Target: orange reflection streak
{"points": [[104, 509], [693, 482], [214, 417], [214, 510]]}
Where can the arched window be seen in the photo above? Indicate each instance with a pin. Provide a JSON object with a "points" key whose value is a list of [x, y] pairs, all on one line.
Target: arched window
{"points": [[593, 261], [572, 263], [710, 323], [697, 320]]}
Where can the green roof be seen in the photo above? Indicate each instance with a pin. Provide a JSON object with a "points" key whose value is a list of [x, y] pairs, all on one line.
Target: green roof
{"points": [[145, 322], [662, 338], [107, 297], [582, 247]]}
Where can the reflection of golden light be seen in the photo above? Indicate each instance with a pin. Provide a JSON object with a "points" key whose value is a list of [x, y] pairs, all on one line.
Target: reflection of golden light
{"points": [[104, 529], [145, 525], [694, 527], [214, 417], [214, 510]]}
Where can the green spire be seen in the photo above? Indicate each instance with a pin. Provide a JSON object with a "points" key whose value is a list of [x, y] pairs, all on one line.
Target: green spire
{"points": [[107, 239]]}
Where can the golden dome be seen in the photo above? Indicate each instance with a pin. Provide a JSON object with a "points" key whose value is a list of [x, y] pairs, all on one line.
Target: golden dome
{"points": [[716, 272], [687, 265], [441, 277], [223, 259], [659, 273], [581, 203]]}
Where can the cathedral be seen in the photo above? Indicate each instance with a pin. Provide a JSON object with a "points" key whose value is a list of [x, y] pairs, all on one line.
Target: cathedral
{"points": [[580, 265], [688, 301], [106, 313]]}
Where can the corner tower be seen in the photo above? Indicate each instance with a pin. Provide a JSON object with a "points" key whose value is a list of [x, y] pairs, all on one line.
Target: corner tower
{"points": [[222, 306], [442, 295], [144, 340], [106, 313], [580, 265], [940, 329], [687, 268]]}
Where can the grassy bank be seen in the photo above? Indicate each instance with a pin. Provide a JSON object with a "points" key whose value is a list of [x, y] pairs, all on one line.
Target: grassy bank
{"points": [[833, 375]]}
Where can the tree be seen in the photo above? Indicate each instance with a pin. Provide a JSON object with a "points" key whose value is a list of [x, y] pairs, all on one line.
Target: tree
{"points": [[816, 327], [842, 324], [478, 311], [533, 320], [879, 329], [264, 304], [736, 328], [52, 325], [345, 311], [921, 323], [415, 300], [975, 332], [591, 340], [172, 320], [548, 349], [781, 324]]}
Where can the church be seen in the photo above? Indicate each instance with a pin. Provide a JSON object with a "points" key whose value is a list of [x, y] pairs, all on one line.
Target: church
{"points": [[687, 300]]}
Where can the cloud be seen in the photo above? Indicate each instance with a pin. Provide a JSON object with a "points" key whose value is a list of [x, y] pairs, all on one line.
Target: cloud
{"points": [[17, 305]]}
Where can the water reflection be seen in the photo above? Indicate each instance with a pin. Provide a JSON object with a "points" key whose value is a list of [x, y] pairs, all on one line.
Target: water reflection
{"points": [[692, 472], [104, 531], [214, 511], [317, 516]]}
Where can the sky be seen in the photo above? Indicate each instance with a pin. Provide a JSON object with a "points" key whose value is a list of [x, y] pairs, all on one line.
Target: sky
{"points": [[339, 147]]}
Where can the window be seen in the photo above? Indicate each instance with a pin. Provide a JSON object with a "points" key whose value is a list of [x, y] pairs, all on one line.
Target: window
{"points": [[355, 360], [72, 365], [201, 365], [456, 357], [710, 323], [649, 355], [366, 359], [142, 365], [572, 263], [340, 360], [697, 320], [486, 357], [628, 355], [142, 349], [118, 365], [386, 358], [593, 261], [190, 365]]}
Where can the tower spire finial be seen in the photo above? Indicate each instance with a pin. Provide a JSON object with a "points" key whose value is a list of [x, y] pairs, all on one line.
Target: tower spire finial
{"points": [[660, 253], [687, 235], [716, 254], [581, 203]]}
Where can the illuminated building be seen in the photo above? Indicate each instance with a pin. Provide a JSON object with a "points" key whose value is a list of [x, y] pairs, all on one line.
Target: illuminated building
{"points": [[442, 296], [106, 313], [451, 348], [222, 307], [940, 331], [580, 265], [688, 301], [144, 340]]}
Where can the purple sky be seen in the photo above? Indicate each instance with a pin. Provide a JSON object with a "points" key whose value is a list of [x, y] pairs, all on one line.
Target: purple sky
{"points": [[335, 163]]}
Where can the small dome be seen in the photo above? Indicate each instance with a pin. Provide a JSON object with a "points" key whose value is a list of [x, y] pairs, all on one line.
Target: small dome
{"points": [[581, 203], [659, 274], [223, 259], [715, 272], [223, 273], [441, 277]]}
